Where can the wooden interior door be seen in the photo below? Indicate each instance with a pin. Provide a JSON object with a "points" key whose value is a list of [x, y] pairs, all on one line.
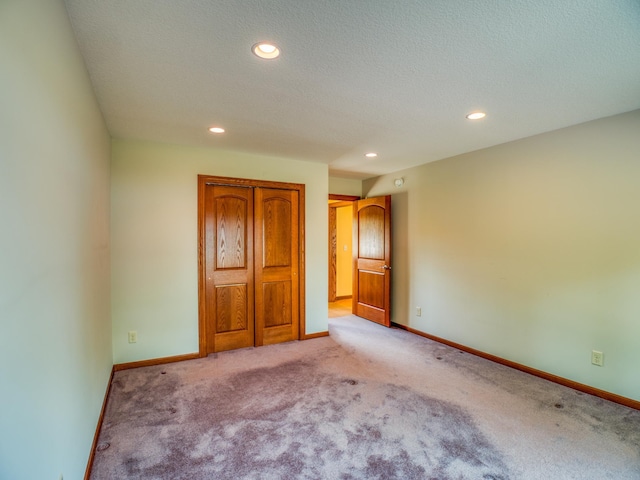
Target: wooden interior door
{"points": [[372, 259], [250, 263], [229, 267], [276, 266]]}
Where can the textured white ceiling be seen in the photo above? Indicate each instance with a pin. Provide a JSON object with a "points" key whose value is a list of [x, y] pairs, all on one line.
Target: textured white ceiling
{"points": [[394, 76]]}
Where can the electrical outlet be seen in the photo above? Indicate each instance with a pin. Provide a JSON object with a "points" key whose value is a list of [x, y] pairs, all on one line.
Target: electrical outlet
{"points": [[597, 358], [418, 311], [133, 336]]}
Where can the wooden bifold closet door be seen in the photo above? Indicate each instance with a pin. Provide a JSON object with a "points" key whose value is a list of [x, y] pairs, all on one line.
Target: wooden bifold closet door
{"points": [[229, 266], [276, 265], [250, 251]]}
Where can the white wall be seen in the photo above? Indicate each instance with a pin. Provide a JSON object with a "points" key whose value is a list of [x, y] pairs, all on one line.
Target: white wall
{"points": [[345, 186], [528, 250], [55, 345], [154, 240]]}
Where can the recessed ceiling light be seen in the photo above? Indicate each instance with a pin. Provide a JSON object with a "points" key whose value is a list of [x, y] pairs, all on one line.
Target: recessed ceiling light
{"points": [[266, 50], [216, 130], [476, 115], [371, 155]]}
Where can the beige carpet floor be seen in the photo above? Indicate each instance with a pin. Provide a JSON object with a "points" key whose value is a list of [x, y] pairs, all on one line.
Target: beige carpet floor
{"points": [[365, 403]]}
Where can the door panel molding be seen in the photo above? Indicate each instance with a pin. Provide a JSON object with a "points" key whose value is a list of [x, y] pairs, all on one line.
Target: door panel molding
{"points": [[231, 311]]}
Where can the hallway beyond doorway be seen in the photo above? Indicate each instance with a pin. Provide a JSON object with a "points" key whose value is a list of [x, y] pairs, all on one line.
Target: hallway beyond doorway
{"points": [[340, 308]]}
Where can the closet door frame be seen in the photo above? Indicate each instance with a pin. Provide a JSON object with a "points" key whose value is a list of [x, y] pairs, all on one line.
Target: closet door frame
{"points": [[203, 182]]}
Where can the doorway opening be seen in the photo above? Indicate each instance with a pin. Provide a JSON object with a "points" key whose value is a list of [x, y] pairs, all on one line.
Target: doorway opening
{"points": [[340, 255], [370, 263]]}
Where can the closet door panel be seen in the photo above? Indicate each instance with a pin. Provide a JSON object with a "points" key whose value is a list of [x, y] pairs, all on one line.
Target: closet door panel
{"points": [[277, 304], [276, 232], [231, 308], [277, 265], [230, 275]]}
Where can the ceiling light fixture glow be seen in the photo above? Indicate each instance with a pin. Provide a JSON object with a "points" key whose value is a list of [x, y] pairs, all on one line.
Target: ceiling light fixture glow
{"points": [[266, 50], [371, 155], [216, 130], [476, 115]]}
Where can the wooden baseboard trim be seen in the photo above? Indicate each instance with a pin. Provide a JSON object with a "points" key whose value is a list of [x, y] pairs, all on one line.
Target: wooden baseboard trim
{"points": [[613, 397], [94, 445], [155, 361], [344, 297], [309, 336]]}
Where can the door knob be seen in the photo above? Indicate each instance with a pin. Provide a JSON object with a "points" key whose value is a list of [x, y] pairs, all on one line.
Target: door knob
{"points": [[386, 267]]}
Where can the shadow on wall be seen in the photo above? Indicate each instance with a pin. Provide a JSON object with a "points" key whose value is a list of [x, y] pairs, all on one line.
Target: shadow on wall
{"points": [[400, 274]]}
